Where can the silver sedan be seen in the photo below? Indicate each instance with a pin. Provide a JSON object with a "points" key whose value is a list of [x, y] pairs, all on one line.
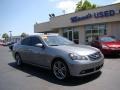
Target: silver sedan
{"points": [[58, 54]]}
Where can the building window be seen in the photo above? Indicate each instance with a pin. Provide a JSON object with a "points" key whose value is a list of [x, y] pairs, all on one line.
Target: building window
{"points": [[72, 34], [92, 31], [76, 36]]}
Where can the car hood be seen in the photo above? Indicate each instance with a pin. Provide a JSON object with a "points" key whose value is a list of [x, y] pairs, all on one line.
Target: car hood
{"points": [[78, 49], [112, 44]]}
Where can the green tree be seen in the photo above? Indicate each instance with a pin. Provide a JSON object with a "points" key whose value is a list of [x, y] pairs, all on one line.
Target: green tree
{"points": [[79, 6], [23, 35], [84, 5], [5, 36]]}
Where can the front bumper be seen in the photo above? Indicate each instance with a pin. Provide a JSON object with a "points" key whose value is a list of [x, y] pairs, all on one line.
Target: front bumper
{"points": [[82, 68], [110, 51]]}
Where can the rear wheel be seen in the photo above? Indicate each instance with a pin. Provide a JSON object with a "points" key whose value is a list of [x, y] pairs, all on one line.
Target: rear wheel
{"points": [[18, 60], [60, 70]]}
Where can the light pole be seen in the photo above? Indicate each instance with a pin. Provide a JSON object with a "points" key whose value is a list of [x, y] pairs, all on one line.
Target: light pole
{"points": [[10, 35], [63, 12]]}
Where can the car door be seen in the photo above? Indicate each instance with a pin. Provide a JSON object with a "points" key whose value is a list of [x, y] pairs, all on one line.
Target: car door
{"points": [[38, 53], [24, 50]]}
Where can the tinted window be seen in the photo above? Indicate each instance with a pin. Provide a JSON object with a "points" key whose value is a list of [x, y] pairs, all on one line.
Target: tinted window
{"points": [[34, 40], [25, 41]]}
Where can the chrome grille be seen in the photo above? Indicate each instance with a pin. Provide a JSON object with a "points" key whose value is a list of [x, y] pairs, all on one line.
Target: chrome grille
{"points": [[95, 56]]}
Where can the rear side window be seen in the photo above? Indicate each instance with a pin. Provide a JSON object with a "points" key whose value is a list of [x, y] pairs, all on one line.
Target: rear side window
{"points": [[25, 41], [34, 40]]}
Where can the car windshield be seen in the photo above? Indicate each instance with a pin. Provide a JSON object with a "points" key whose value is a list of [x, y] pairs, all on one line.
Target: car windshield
{"points": [[56, 40], [107, 39]]}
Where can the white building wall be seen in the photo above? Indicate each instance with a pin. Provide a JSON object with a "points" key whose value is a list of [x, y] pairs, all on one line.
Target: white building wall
{"points": [[113, 29], [81, 35], [116, 29], [42, 27]]}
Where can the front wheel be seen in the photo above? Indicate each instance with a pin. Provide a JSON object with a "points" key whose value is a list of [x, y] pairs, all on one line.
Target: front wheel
{"points": [[60, 70]]}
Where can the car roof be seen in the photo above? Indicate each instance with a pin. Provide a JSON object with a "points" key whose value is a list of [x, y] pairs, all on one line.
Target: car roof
{"points": [[47, 34], [43, 35]]}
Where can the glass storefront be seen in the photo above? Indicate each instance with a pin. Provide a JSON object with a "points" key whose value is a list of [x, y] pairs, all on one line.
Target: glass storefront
{"points": [[72, 34], [92, 31]]}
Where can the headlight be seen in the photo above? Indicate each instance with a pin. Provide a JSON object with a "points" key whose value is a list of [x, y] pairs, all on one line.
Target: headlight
{"points": [[104, 46], [77, 57]]}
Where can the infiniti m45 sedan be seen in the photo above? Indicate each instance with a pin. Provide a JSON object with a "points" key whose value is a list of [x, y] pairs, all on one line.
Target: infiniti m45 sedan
{"points": [[58, 54]]}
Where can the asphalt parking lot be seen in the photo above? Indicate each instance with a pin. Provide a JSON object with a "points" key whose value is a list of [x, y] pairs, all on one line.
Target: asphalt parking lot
{"points": [[34, 78]]}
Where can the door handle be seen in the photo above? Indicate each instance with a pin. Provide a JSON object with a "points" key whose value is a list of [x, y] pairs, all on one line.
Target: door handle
{"points": [[28, 50]]}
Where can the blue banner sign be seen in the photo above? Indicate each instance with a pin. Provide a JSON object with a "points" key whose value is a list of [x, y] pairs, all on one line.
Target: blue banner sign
{"points": [[100, 14]]}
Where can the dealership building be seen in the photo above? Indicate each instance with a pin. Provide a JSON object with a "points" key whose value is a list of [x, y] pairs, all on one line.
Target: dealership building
{"points": [[84, 26]]}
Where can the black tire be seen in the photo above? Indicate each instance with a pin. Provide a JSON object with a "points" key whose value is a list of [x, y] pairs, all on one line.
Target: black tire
{"points": [[18, 60], [61, 72], [11, 48]]}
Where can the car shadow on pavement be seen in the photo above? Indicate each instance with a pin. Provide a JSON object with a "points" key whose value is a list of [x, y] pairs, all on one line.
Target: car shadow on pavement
{"points": [[113, 56], [47, 75]]}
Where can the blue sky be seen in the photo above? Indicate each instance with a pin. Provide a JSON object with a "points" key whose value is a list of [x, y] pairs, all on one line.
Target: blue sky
{"points": [[20, 15]]}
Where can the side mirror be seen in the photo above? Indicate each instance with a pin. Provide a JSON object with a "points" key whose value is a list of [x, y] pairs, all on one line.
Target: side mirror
{"points": [[39, 45]]}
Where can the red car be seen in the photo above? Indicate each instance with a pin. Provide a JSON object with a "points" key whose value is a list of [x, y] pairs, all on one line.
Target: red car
{"points": [[107, 44]]}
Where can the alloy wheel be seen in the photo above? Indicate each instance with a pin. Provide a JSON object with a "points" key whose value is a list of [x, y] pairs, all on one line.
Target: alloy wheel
{"points": [[18, 60], [60, 70]]}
